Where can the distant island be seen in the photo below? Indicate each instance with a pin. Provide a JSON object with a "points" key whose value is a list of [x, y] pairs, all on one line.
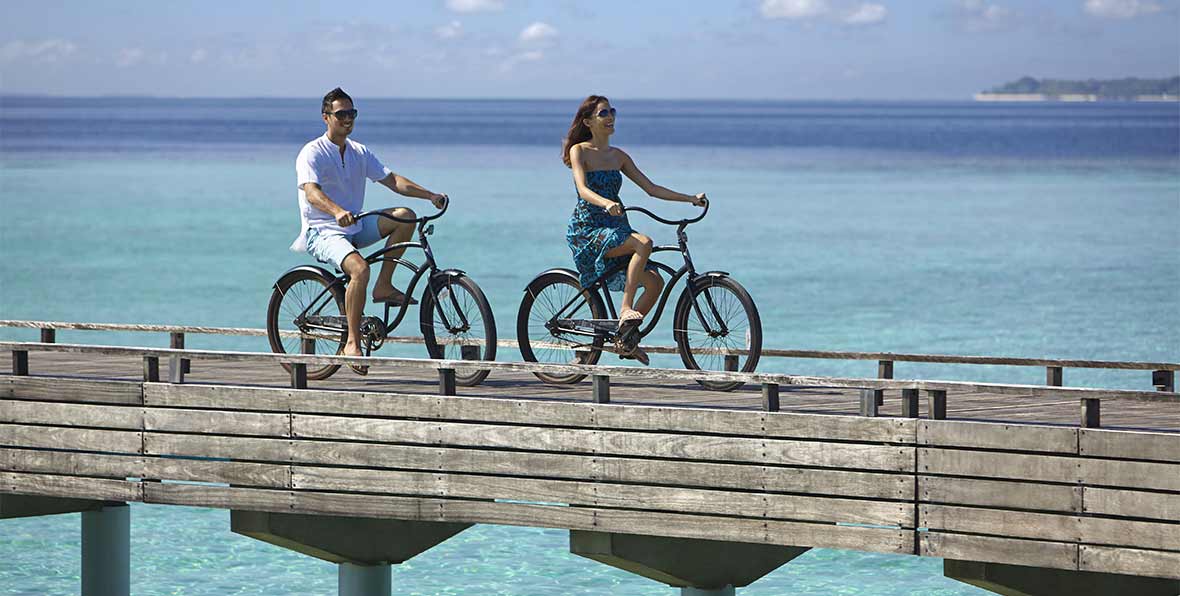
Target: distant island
{"points": [[1129, 89]]}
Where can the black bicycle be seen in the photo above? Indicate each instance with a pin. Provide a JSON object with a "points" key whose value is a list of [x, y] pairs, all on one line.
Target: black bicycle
{"points": [[715, 325], [455, 318]]}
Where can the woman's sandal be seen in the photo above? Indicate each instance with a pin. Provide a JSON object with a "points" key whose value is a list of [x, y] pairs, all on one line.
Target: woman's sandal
{"points": [[360, 369], [628, 321]]}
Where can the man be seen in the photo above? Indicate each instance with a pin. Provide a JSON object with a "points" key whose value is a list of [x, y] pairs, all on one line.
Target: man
{"points": [[331, 172]]}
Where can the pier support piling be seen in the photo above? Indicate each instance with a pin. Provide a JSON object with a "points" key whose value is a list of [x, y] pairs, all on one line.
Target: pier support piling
{"points": [[1018, 580], [699, 567], [363, 548], [106, 551], [364, 580]]}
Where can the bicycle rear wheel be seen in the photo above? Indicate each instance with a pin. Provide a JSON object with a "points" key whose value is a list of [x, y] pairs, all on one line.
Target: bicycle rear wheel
{"points": [[544, 301], [299, 293], [465, 321], [717, 327]]}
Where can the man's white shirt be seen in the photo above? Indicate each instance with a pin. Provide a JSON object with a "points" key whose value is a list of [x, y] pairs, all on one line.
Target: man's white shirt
{"points": [[342, 179]]}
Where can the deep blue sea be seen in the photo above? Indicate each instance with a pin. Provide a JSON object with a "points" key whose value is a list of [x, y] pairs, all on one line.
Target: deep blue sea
{"points": [[997, 229]]}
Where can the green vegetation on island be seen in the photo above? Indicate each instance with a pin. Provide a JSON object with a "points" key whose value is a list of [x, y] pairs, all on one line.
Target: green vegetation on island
{"points": [[1128, 88]]}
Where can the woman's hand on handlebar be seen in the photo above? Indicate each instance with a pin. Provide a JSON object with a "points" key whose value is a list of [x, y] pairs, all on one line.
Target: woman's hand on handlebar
{"points": [[614, 209], [700, 200], [345, 218]]}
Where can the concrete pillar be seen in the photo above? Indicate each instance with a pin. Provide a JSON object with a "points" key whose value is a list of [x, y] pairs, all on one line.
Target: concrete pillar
{"points": [[726, 591], [106, 551], [698, 567], [1018, 580], [364, 580], [363, 548]]}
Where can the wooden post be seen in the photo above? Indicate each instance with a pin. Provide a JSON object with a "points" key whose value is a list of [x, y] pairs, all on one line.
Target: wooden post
{"points": [[469, 352], [868, 403], [884, 371], [770, 397], [177, 343], [1164, 380], [48, 335], [1053, 376], [20, 362], [1091, 412], [175, 370], [909, 403], [731, 362], [936, 404], [151, 369], [446, 381], [601, 386], [298, 375], [307, 345]]}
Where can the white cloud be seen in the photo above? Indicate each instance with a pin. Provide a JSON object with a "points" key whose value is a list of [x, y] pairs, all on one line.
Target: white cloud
{"points": [[978, 15], [793, 9], [48, 50], [451, 30], [866, 14], [512, 61], [129, 57], [538, 31], [475, 5], [1120, 9], [198, 56]]}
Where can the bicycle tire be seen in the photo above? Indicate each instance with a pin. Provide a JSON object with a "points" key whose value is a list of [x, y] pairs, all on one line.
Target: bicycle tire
{"points": [[548, 293], [295, 288], [732, 301], [483, 332]]}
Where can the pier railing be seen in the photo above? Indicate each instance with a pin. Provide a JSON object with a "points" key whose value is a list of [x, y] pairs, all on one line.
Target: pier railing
{"points": [[1163, 374]]}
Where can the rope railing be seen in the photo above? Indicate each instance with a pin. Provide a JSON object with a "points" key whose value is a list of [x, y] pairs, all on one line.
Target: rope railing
{"points": [[767, 352]]}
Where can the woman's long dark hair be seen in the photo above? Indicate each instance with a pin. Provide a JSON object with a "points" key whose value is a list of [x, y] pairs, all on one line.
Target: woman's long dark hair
{"points": [[579, 132]]}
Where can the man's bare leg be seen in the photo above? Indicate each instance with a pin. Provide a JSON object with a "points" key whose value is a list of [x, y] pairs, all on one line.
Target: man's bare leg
{"points": [[394, 232], [354, 300]]}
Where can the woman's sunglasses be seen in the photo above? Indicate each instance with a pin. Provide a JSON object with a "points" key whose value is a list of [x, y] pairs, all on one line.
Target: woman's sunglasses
{"points": [[605, 113], [343, 114]]}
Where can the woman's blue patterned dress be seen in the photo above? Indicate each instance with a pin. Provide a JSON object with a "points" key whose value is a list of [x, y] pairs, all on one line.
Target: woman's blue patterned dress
{"points": [[593, 232]]}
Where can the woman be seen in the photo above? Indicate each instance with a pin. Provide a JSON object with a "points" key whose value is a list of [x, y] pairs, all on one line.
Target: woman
{"points": [[599, 234]]}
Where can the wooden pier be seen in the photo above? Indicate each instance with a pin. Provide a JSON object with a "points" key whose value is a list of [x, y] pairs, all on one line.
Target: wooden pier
{"points": [[1025, 488]]}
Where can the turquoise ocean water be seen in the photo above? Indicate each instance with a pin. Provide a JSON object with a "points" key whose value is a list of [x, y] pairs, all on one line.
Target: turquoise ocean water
{"points": [[1045, 230]]}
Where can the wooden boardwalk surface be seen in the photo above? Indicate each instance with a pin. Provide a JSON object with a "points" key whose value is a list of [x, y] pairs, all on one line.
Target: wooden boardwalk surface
{"points": [[970, 405]]}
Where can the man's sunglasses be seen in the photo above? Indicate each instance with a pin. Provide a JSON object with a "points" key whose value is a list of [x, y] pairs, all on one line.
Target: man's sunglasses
{"points": [[605, 113], [343, 114]]}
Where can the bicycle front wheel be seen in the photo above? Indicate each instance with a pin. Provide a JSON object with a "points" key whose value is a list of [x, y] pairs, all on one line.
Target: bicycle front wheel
{"points": [[297, 295], [550, 297], [459, 326], [717, 327]]}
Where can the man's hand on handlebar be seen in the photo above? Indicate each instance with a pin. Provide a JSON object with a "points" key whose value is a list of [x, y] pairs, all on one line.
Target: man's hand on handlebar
{"points": [[438, 200], [700, 200], [345, 218]]}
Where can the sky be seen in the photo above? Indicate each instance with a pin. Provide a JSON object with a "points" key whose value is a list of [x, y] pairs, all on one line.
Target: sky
{"points": [[668, 49]]}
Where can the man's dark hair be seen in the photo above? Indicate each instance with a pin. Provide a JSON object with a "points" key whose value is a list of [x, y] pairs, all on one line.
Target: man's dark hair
{"points": [[332, 96]]}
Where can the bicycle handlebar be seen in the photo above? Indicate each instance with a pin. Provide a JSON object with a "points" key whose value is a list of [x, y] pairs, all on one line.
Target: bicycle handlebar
{"points": [[678, 222], [418, 220]]}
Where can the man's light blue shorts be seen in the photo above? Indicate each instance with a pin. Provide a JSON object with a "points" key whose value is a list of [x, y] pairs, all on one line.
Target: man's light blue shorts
{"points": [[333, 246]]}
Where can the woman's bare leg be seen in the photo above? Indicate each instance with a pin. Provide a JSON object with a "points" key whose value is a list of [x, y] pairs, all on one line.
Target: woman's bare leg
{"points": [[639, 247], [652, 284]]}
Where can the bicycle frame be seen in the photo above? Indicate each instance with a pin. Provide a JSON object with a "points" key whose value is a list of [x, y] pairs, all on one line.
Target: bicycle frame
{"points": [[382, 255], [688, 269]]}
